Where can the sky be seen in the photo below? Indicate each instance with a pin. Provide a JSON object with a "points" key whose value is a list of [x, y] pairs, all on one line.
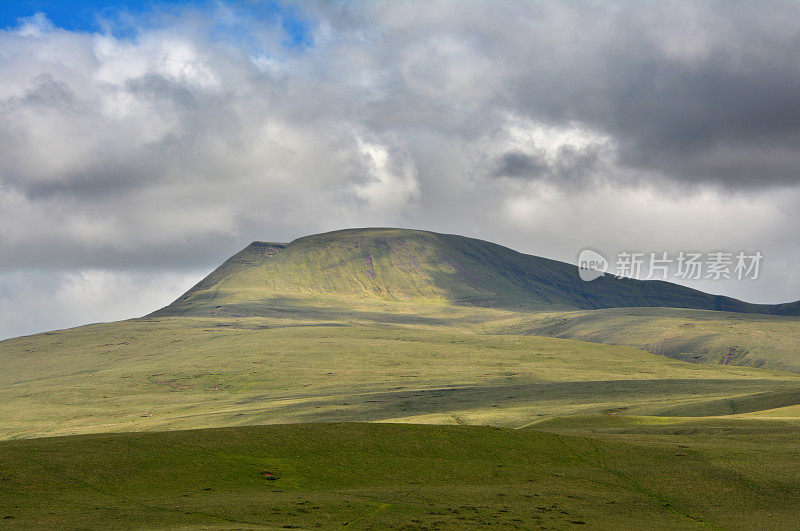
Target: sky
{"points": [[142, 143]]}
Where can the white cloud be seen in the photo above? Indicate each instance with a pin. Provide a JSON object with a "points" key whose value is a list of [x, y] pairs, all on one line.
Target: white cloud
{"points": [[161, 54], [35, 26], [391, 183], [31, 302], [528, 135]]}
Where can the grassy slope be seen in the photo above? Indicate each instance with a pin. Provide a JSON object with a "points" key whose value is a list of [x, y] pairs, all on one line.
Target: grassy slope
{"points": [[186, 372], [692, 335], [373, 475], [416, 277], [397, 264]]}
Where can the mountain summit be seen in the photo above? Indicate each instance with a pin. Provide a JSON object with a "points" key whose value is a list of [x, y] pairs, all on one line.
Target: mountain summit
{"points": [[412, 265]]}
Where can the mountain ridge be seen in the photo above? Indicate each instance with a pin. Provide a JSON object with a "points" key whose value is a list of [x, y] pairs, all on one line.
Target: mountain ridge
{"points": [[389, 264]]}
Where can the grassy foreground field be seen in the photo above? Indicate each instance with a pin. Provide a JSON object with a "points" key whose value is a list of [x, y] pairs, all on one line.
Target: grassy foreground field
{"points": [[735, 474]]}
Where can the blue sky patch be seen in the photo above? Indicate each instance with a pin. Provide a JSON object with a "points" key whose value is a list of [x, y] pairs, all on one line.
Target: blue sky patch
{"points": [[111, 15]]}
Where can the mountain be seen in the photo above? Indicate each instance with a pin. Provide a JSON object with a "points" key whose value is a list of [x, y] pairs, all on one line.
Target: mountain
{"points": [[386, 264]]}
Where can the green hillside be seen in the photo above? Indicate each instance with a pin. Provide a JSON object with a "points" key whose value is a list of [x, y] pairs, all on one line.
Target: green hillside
{"points": [[692, 335], [187, 372], [410, 265]]}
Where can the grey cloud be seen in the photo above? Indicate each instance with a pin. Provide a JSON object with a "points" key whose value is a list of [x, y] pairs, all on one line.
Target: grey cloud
{"points": [[519, 164], [577, 165], [682, 115], [570, 167]]}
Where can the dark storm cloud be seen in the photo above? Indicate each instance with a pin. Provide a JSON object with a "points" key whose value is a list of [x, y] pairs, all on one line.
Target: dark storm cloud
{"points": [[519, 164], [736, 124], [568, 168], [708, 97]]}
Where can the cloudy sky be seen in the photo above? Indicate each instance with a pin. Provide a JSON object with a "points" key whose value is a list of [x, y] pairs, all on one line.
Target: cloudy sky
{"points": [[141, 144]]}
